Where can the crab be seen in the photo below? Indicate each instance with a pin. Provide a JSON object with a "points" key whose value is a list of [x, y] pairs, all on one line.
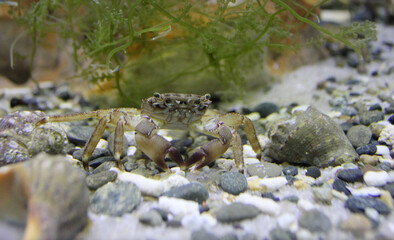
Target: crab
{"points": [[169, 111]]}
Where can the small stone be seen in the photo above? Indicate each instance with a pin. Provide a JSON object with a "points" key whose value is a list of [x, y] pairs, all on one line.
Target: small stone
{"points": [[389, 187], [178, 207], [369, 149], [192, 191], [369, 159], [290, 170], [152, 218], [229, 236], [149, 187], [233, 182], [236, 212], [349, 111], [265, 205], [98, 152], [264, 169], [315, 221], [115, 199], [280, 234], [105, 166], [273, 183], [79, 135], [266, 108], [313, 172], [97, 180], [368, 117], [322, 195], [387, 134], [367, 191], [269, 195], [202, 234], [359, 135], [376, 178], [358, 224], [375, 106], [359, 204], [340, 186], [351, 175]]}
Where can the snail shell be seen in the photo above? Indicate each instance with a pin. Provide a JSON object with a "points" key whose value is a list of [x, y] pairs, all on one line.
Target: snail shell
{"points": [[46, 195], [310, 137]]}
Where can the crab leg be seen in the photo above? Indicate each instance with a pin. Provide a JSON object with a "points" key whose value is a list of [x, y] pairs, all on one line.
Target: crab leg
{"points": [[154, 146]]}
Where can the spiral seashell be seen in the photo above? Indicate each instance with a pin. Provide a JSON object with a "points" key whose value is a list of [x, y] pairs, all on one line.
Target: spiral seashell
{"points": [[310, 137], [45, 195]]}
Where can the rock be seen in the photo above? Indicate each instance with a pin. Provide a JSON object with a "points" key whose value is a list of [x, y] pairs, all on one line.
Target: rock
{"points": [[105, 166], [266, 108], [192, 191], [79, 135], [358, 224], [202, 234], [387, 134], [178, 207], [377, 179], [94, 163], [274, 183], [313, 172], [233, 182], [351, 175], [340, 186], [265, 205], [286, 220], [115, 199], [369, 160], [369, 149], [368, 117], [322, 195], [152, 218], [315, 221], [280, 234], [290, 170], [389, 187], [249, 236], [236, 212], [359, 135], [359, 204], [264, 169], [97, 180], [97, 153]]}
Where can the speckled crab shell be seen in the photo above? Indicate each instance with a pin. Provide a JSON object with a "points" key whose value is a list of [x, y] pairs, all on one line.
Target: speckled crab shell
{"points": [[45, 197], [310, 137]]}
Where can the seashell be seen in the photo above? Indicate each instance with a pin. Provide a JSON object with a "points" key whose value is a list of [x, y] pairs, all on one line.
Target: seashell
{"points": [[46, 196], [310, 137], [20, 139]]}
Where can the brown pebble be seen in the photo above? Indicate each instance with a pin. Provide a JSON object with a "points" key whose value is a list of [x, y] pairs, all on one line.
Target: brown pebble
{"points": [[357, 223], [369, 168], [369, 159]]}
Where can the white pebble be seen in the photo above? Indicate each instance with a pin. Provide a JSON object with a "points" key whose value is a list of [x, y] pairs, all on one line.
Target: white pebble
{"points": [[366, 191], [248, 152], [273, 183], [196, 222], [103, 144], [376, 179], [174, 181], [391, 176], [178, 207], [305, 205], [251, 160], [372, 213], [265, 205], [131, 150], [383, 150], [286, 221], [387, 135], [147, 186], [178, 171], [254, 116]]}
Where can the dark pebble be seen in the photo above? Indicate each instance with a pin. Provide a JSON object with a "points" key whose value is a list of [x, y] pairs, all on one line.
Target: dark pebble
{"points": [[368, 117], [391, 119], [79, 135], [280, 234], [192, 191], [152, 218], [233, 182], [385, 166], [182, 145], [290, 170], [202, 234], [369, 149], [359, 135], [352, 82], [351, 175], [266, 108], [389, 110], [340, 186], [115, 199], [105, 166], [100, 160], [359, 204], [98, 152], [376, 106], [97, 180], [269, 195], [389, 187], [315, 221], [346, 126], [313, 172], [349, 111], [236, 212]]}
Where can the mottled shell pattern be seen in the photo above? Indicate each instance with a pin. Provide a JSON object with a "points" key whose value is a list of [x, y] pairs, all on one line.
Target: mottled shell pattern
{"points": [[310, 137]]}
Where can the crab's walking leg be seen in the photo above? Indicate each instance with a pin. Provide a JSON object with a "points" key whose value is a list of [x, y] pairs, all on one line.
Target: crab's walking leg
{"points": [[154, 146], [118, 142], [212, 150]]}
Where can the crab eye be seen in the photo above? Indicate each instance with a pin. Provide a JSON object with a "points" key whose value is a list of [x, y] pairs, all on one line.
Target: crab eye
{"points": [[156, 95], [207, 96]]}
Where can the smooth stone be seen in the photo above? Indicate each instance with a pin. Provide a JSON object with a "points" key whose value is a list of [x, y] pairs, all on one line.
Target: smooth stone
{"points": [[368, 117], [265, 169], [229, 236], [290, 171], [313, 172], [346, 126], [349, 111], [375, 106], [377, 179], [359, 135], [367, 191], [249, 236], [369, 159], [105, 166], [266, 108], [202, 234], [94, 163], [236, 212], [233, 182], [369, 149], [351, 175], [97, 153], [280, 234], [265, 205], [97, 180], [359, 204], [390, 188], [192, 191], [149, 187], [152, 218], [273, 183], [358, 224], [315, 221], [322, 195], [79, 135], [178, 207], [340, 186], [269, 195], [115, 199], [125, 145]]}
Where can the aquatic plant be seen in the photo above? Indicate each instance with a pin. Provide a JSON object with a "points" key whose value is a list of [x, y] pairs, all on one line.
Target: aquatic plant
{"points": [[144, 46]]}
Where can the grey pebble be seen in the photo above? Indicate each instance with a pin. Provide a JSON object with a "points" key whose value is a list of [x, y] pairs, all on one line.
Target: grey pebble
{"points": [[322, 195], [368, 117], [340, 186], [192, 191], [269, 195], [233, 182], [105, 166], [98, 152], [369, 149], [236, 212], [152, 218], [280, 234], [351, 175], [79, 135], [97, 180], [359, 135], [360, 203], [229, 236], [389, 187], [313, 172], [202, 234], [315, 221], [265, 169], [115, 199], [290, 170], [265, 109], [249, 236]]}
